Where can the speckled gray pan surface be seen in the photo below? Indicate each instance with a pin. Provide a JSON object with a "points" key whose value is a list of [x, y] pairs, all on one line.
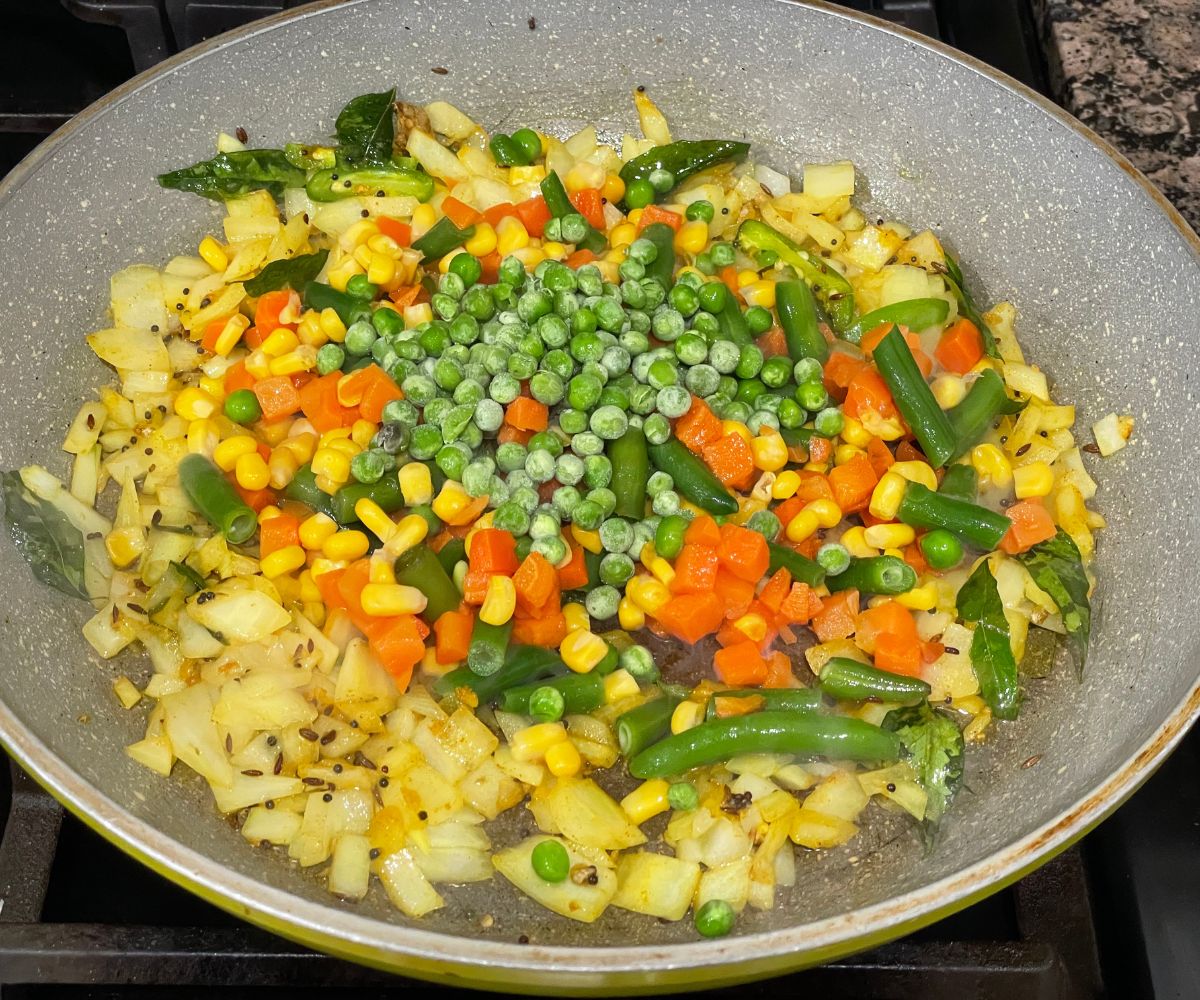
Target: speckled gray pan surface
{"points": [[1108, 289]]}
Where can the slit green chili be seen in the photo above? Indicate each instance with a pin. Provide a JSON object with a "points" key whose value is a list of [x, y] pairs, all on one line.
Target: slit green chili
{"points": [[731, 323], [214, 497], [914, 399], [798, 316], [922, 508], [693, 479], [662, 268], [630, 471], [875, 575], [558, 202], [442, 237], [319, 297], [850, 680], [966, 305], [378, 182], [682, 159]]}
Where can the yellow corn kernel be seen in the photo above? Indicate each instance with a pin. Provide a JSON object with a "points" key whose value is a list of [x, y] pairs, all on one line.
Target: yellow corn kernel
{"points": [[416, 484], [827, 513], [563, 760], [629, 616], [410, 531], [692, 237], [613, 189], [332, 325], [647, 593], [213, 254], [532, 742], [383, 600], [269, 513], [336, 434], [451, 502], [992, 466], [919, 598], [646, 801], [310, 593], [529, 256], [532, 174], [124, 545], [760, 293], [511, 235], [916, 472], [385, 244], [622, 235], [484, 240], [802, 526], [358, 233], [887, 495], [327, 485], [856, 544], [746, 277], [687, 714], [252, 472], [375, 518], [1033, 480], [889, 536], [215, 387], [737, 427], [315, 531], [500, 600], [656, 564], [203, 436], [576, 617], [635, 216], [227, 453], [618, 686], [581, 650], [423, 218], [301, 446], [281, 561], [752, 626], [785, 485], [554, 250], [332, 464], [361, 433], [948, 390], [320, 566], [381, 269], [417, 314], [854, 433], [302, 359], [341, 273], [347, 545], [279, 342], [195, 404], [258, 365], [380, 568], [590, 540], [846, 453], [769, 451], [230, 334], [362, 257]]}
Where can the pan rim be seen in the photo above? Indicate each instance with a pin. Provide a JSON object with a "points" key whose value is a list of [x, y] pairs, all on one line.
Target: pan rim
{"points": [[394, 945]]}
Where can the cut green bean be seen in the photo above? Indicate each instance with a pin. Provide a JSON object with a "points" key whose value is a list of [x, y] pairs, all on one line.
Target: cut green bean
{"points": [[922, 508], [875, 575], [960, 482], [214, 497], [803, 569], [693, 479], [916, 314], [630, 471], [798, 316], [985, 401], [304, 489], [522, 665], [386, 493], [914, 399], [559, 204], [419, 567], [489, 646], [580, 693], [662, 268]]}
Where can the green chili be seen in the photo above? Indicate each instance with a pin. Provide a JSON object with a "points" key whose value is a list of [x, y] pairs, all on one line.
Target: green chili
{"points": [[662, 268], [774, 699], [916, 314], [798, 316], [682, 159], [693, 479], [489, 645], [642, 726], [809, 734], [580, 692], [875, 575], [803, 569], [386, 493], [319, 296], [922, 508], [379, 182], [304, 489], [442, 237], [558, 202], [419, 567], [214, 497], [630, 470], [522, 665], [850, 680], [985, 401], [914, 399], [960, 482]]}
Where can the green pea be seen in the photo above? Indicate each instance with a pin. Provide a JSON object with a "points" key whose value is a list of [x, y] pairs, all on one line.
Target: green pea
{"points": [[420, 389], [550, 860], [639, 194], [658, 482], [360, 287], [574, 228], [457, 421], [682, 795], [554, 550], [668, 538], [523, 494], [834, 558], [714, 919], [750, 362], [400, 411], [387, 322], [587, 443], [807, 370], [452, 459], [941, 549], [638, 661], [702, 380], [608, 423], [631, 270], [724, 356], [444, 306], [597, 471], [588, 515], [722, 254], [602, 602], [615, 360], [829, 422], [512, 272], [758, 320], [529, 143], [359, 338], [691, 349], [546, 704], [589, 279], [812, 396], [765, 523], [426, 440], [477, 477], [572, 421], [737, 410], [662, 373], [657, 428], [464, 329], [609, 316], [437, 410], [701, 210], [616, 569], [661, 180], [242, 406], [791, 414], [749, 390], [666, 504], [776, 372], [683, 299]]}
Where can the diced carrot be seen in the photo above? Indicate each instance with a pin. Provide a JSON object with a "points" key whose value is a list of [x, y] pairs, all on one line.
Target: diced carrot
{"points": [[253, 338], [699, 426], [276, 309], [880, 456], [238, 378], [277, 398], [540, 631], [301, 379], [729, 277], [589, 203], [730, 460], [453, 632], [212, 331], [773, 343], [406, 295], [574, 575], [652, 213], [495, 551], [319, 403], [256, 500], [740, 665], [494, 214], [915, 558], [460, 213], [536, 580], [527, 414], [888, 618], [1031, 524], [378, 391], [489, 265], [836, 618], [813, 486], [808, 548], [475, 585], [868, 392], [776, 589], [790, 507], [906, 451], [534, 214], [703, 531], [735, 593], [800, 604], [852, 483], [820, 449], [779, 671], [350, 585], [579, 258], [690, 617], [840, 371], [329, 584], [743, 552], [278, 533], [726, 707], [394, 229], [931, 651], [898, 654], [695, 570], [399, 648], [960, 347]]}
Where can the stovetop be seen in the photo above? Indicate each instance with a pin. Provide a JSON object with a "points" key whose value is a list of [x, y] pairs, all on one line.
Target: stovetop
{"points": [[1115, 917]]}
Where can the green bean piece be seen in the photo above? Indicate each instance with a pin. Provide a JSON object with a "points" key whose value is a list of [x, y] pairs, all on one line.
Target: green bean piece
{"points": [[452, 553], [489, 645], [693, 479], [875, 575], [803, 569], [799, 733], [960, 482], [630, 470], [850, 680], [731, 322], [419, 567], [523, 665], [559, 204], [662, 268], [914, 399], [443, 236], [985, 401], [681, 159], [386, 493], [580, 692], [798, 316], [214, 497], [774, 699], [916, 314], [922, 508], [645, 725], [304, 489]]}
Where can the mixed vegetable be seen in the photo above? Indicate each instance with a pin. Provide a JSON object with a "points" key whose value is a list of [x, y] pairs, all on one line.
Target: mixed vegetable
{"points": [[425, 480]]}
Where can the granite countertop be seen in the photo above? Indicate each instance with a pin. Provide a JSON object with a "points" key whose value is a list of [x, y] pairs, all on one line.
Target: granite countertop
{"points": [[1130, 69]]}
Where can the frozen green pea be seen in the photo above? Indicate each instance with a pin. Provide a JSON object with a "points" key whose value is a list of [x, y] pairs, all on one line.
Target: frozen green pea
{"points": [[547, 388], [559, 363], [758, 320], [641, 400], [702, 380], [707, 325], [359, 338], [557, 277], [540, 466], [776, 372], [633, 295], [566, 304], [583, 392], [588, 515], [615, 534], [586, 347], [330, 358], [532, 345], [489, 415], [665, 503], [522, 366], [829, 422], [589, 279], [452, 459], [615, 360], [724, 356], [543, 524], [762, 421], [770, 402], [574, 228], [597, 471], [369, 466], [447, 374], [553, 330], [534, 304], [511, 517], [572, 421], [631, 269], [425, 442], [469, 392], [436, 410], [546, 441], [400, 411], [812, 396], [586, 443], [691, 349], [642, 250], [419, 389], [657, 428], [495, 359], [564, 500], [728, 385], [510, 456], [472, 437], [553, 549], [658, 482], [717, 402], [750, 362], [807, 370], [478, 302], [477, 476], [673, 401], [667, 323], [609, 315], [613, 396], [444, 306], [737, 410], [452, 284], [583, 320], [525, 496], [616, 569], [602, 602], [791, 414], [653, 293], [662, 373], [639, 320], [683, 299], [603, 498], [765, 523], [634, 342], [638, 661], [608, 423], [456, 422]]}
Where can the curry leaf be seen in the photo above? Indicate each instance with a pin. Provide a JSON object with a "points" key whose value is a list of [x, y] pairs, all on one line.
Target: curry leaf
{"points": [[293, 272], [991, 651], [51, 544], [1057, 568], [232, 175], [934, 746], [366, 129]]}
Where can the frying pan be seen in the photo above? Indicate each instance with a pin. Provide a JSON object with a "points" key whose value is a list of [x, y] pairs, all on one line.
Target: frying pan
{"points": [[1104, 272]]}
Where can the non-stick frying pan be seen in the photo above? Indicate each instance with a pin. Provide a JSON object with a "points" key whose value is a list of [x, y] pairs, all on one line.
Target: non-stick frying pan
{"points": [[1105, 274]]}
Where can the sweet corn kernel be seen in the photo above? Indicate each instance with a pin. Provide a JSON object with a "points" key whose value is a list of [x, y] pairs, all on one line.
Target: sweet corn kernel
{"points": [[614, 188], [213, 254], [856, 544], [215, 387], [417, 314], [381, 269], [341, 273], [483, 242], [124, 545], [635, 216], [889, 536], [320, 566], [195, 404], [332, 325], [269, 513], [327, 485], [410, 531], [948, 390], [752, 626], [760, 293], [785, 485], [992, 466], [252, 472], [375, 518], [692, 237], [451, 502], [310, 593], [656, 564], [332, 464], [423, 218], [576, 616], [227, 453], [554, 250], [203, 436], [647, 593], [618, 686], [384, 600], [532, 742], [379, 569], [385, 244], [281, 561], [887, 495], [687, 714], [532, 174], [500, 600], [746, 277], [854, 433], [629, 616], [737, 427], [301, 445], [919, 598], [916, 472], [581, 650], [529, 256], [646, 801], [362, 256], [827, 513], [802, 526], [1033, 480], [347, 545], [361, 433], [622, 235], [279, 342], [511, 235], [584, 175], [258, 364], [358, 233], [230, 334], [303, 359], [590, 540], [345, 446], [846, 453], [563, 760], [770, 452], [336, 434]]}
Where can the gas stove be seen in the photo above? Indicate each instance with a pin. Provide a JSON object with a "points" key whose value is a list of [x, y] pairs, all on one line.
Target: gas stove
{"points": [[1114, 917]]}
